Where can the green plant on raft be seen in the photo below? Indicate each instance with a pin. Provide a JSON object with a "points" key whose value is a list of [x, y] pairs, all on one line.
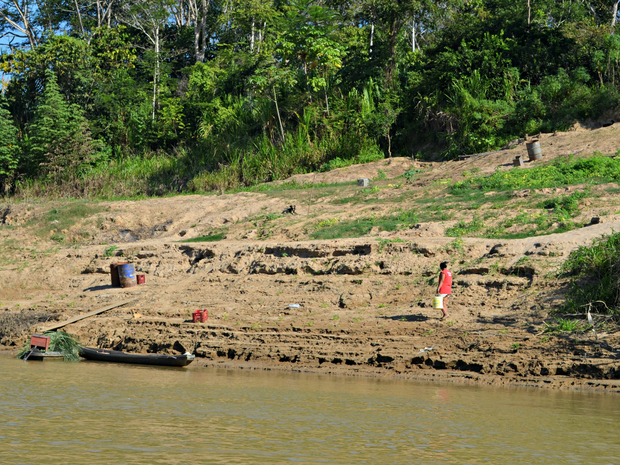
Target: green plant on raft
{"points": [[61, 342]]}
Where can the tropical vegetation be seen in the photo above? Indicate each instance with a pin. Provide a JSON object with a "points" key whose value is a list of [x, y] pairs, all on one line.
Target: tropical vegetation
{"points": [[117, 97]]}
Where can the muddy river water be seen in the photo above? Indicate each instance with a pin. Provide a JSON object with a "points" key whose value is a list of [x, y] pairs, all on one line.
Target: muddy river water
{"points": [[97, 413]]}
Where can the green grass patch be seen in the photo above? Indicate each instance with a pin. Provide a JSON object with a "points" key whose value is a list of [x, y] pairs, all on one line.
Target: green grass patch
{"points": [[463, 228], [362, 226], [561, 172], [343, 229], [384, 242], [367, 155], [564, 325], [208, 238], [555, 216], [277, 187], [409, 175], [109, 252], [51, 224]]}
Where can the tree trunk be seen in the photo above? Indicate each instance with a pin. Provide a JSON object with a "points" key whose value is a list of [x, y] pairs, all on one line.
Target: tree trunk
{"points": [[614, 14], [252, 38], [196, 39], [391, 67], [156, 73], [372, 38], [203, 28], [326, 100], [275, 99], [79, 15]]}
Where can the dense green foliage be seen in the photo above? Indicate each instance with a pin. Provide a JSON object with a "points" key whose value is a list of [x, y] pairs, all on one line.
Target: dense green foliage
{"points": [[9, 148], [161, 96], [595, 276]]}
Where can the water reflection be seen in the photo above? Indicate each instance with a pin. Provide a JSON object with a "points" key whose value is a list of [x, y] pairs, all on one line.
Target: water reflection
{"points": [[105, 413]]}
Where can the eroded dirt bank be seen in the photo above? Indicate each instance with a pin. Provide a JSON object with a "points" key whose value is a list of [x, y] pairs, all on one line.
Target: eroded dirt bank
{"points": [[360, 306], [364, 308]]}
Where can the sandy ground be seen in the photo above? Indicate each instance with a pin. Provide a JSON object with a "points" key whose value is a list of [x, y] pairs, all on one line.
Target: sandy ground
{"points": [[278, 300]]}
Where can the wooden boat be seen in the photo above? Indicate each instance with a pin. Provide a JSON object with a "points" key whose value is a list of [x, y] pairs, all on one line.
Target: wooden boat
{"points": [[117, 356], [36, 355]]}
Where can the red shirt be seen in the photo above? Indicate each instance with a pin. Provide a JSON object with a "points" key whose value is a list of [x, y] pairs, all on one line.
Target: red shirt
{"points": [[446, 287]]}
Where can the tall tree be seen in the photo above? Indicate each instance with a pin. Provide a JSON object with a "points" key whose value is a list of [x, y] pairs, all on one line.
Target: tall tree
{"points": [[9, 145], [150, 17], [60, 139]]}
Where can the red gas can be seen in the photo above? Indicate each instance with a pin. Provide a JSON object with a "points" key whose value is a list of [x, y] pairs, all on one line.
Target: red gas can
{"points": [[141, 278], [200, 316]]}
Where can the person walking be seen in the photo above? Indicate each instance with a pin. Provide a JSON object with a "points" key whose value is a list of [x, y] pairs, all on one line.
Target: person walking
{"points": [[444, 288]]}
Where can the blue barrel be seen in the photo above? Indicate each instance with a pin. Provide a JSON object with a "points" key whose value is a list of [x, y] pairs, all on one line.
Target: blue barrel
{"points": [[127, 275], [533, 150]]}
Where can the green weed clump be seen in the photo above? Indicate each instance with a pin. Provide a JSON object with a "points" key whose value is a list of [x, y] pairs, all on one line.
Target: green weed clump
{"points": [[561, 172], [208, 238], [63, 217], [594, 273], [367, 155], [565, 205], [109, 252], [564, 325], [463, 228], [362, 226]]}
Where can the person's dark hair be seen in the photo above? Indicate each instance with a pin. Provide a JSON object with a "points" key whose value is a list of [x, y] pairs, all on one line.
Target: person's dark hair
{"points": [[443, 265]]}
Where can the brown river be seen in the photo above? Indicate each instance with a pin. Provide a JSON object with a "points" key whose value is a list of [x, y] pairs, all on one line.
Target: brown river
{"points": [[97, 413]]}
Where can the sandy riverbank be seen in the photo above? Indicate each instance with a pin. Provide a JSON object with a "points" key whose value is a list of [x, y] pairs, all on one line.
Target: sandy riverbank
{"points": [[363, 303]]}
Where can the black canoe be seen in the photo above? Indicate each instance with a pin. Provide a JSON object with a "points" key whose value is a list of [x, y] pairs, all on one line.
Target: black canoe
{"points": [[105, 355]]}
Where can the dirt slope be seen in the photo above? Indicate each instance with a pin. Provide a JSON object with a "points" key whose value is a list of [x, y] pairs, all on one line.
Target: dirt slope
{"points": [[363, 303]]}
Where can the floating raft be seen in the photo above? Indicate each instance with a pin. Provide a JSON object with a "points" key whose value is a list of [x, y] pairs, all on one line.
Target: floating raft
{"points": [[36, 355]]}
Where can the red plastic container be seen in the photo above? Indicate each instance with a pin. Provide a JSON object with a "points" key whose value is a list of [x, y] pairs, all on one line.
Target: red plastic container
{"points": [[39, 341], [141, 278], [200, 316]]}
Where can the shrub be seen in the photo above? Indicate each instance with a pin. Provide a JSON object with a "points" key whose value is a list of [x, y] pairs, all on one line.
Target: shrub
{"points": [[595, 275]]}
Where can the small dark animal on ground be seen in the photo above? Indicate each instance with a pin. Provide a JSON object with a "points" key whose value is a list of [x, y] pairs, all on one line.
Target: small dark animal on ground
{"points": [[290, 209]]}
